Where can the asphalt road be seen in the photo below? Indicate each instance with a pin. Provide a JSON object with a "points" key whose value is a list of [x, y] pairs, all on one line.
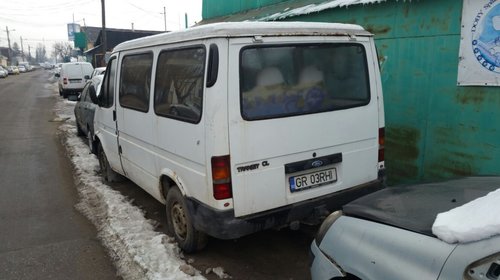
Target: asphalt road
{"points": [[42, 235]]}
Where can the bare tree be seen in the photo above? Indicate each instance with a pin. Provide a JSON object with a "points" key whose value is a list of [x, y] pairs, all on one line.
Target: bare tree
{"points": [[41, 53], [63, 50], [15, 49]]}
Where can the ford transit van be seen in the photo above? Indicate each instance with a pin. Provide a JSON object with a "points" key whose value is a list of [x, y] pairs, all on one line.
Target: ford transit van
{"points": [[241, 127]]}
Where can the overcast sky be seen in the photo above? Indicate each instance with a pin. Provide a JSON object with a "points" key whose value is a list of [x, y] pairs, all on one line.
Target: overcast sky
{"points": [[38, 21]]}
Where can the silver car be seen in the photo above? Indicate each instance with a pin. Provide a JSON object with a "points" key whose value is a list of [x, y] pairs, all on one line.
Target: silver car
{"points": [[387, 235], [3, 72]]}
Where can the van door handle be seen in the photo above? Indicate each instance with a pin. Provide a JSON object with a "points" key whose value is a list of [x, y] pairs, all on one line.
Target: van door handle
{"points": [[114, 115]]}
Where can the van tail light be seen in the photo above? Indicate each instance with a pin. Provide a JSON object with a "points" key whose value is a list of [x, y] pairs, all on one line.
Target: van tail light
{"points": [[65, 81], [221, 177], [381, 144]]}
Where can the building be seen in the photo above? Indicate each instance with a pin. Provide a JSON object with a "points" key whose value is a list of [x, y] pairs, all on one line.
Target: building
{"points": [[4, 56], [441, 117], [113, 37]]}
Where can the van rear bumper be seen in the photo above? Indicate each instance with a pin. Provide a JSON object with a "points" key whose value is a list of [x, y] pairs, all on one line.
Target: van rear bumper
{"points": [[224, 225]]}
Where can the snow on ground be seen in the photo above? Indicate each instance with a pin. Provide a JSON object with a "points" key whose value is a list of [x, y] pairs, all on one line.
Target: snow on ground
{"points": [[462, 225], [314, 8], [139, 252]]}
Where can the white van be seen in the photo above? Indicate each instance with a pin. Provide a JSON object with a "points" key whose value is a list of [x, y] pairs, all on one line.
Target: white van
{"points": [[241, 127], [73, 76]]}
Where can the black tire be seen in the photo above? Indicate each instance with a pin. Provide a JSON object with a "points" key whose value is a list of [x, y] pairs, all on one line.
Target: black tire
{"points": [[109, 174], [79, 130], [90, 142], [64, 94], [180, 225]]}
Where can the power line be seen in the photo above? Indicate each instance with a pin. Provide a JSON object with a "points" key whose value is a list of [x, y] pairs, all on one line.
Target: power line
{"points": [[54, 7]]}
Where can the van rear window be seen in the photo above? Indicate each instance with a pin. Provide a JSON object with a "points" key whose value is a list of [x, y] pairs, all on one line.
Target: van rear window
{"points": [[290, 80]]}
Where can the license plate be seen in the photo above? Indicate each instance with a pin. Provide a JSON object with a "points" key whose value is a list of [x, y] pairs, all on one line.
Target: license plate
{"points": [[312, 179], [75, 81]]}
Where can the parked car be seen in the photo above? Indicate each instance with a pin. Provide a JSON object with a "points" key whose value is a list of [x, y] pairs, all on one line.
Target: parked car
{"points": [[390, 235], [73, 77], [262, 135], [4, 68], [26, 66], [98, 71], [3, 72], [85, 110], [57, 69], [13, 70], [22, 69]]}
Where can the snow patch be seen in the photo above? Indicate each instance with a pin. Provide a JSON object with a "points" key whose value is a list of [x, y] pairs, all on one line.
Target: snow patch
{"points": [[470, 222], [314, 8], [219, 271], [139, 252]]}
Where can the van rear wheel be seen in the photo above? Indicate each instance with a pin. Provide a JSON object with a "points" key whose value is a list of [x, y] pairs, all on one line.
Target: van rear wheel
{"points": [[180, 224], [109, 174]]}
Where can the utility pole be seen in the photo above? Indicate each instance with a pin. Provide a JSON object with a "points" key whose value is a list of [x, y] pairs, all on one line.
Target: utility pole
{"points": [[22, 49], [103, 37], [8, 40], [165, 17], [29, 53]]}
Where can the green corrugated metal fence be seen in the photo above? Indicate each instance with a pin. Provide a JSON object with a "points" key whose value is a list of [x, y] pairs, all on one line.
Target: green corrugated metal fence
{"points": [[434, 129]]}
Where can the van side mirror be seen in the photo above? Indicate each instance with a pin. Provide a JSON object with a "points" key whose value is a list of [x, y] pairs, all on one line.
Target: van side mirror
{"points": [[86, 77], [93, 94], [57, 75]]}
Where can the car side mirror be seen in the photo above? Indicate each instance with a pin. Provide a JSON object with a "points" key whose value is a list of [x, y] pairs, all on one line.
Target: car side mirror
{"points": [[57, 75], [87, 77], [93, 94]]}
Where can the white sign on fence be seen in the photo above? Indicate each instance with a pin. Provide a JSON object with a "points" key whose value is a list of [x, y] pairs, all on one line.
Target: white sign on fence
{"points": [[479, 61]]}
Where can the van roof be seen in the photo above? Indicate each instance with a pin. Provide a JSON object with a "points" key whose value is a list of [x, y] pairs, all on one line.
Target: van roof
{"points": [[245, 29]]}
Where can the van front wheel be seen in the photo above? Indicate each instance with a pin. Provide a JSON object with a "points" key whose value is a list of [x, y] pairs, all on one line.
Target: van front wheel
{"points": [[109, 174], [180, 224]]}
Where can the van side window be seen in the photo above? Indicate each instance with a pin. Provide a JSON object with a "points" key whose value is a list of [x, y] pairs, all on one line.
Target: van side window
{"points": [[106, 97], [135, 81], [179, 84], [290, 80]]}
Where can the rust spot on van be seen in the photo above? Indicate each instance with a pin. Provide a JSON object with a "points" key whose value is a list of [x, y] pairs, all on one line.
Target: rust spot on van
{"points": [[402, 152]]}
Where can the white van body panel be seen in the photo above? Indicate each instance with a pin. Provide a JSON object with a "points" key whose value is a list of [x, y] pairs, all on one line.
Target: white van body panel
{"points": [[351, 132]]}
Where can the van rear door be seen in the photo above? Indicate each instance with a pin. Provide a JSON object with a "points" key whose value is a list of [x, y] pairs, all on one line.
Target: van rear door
{"points": [[303, 119]]}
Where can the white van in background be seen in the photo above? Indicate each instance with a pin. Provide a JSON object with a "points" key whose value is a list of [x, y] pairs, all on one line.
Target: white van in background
{"points": [[241, 127], [73, 77]]}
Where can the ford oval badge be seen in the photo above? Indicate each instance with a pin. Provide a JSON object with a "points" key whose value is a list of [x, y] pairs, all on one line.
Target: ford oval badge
{"points": [[317, 163]]}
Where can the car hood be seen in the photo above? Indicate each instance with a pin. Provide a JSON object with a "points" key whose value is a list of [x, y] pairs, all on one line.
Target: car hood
{"points": [[415, 207]]}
